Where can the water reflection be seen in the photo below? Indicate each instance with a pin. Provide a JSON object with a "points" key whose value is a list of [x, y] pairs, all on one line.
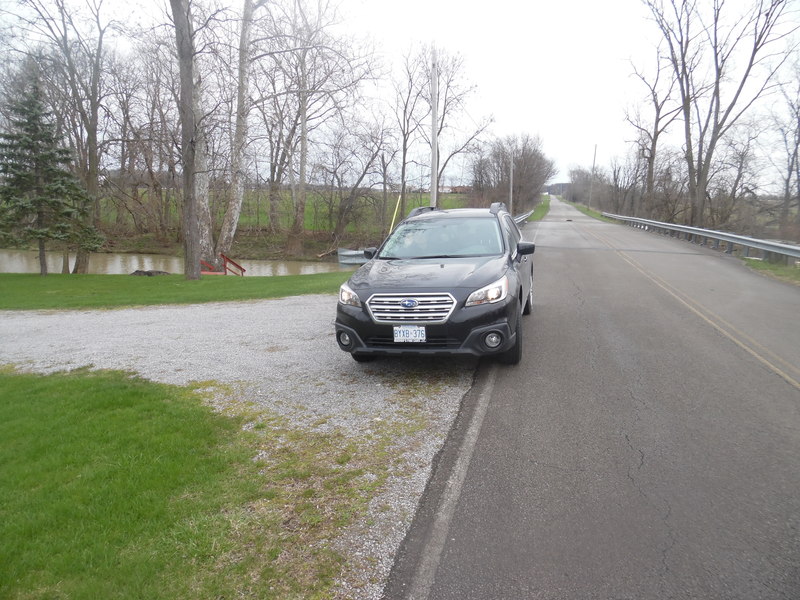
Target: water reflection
{"points": [[27, 261]]}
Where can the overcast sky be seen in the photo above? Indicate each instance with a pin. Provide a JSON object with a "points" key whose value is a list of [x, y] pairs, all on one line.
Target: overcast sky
{"points": [[557, 69]]}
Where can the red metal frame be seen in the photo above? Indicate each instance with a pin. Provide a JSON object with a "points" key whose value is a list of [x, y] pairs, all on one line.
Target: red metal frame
{"points": [[228, 266]]}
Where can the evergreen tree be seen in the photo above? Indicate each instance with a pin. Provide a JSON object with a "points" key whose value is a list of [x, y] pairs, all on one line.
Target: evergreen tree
{"points": [[40, 199]]}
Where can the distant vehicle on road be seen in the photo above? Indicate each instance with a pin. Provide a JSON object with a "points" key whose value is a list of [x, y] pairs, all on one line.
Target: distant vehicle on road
{"points": [[444, 282]]}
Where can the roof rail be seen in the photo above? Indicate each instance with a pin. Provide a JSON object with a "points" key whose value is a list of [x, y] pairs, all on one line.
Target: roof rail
{"points": [[419, 210], [496, 207]]}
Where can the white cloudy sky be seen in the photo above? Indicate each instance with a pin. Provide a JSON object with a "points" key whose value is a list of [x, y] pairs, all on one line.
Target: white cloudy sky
{"points": [[559, 69]]}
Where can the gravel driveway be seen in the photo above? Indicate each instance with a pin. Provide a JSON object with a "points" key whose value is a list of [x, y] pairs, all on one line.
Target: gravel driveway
{"points": [[279, 354]]}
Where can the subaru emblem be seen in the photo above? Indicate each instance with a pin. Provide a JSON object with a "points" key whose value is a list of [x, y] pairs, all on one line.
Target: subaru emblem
{"points": [[409, 303]]}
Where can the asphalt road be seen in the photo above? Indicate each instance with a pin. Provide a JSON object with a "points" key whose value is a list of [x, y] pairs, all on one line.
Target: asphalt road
{"points": [[648, 446]]}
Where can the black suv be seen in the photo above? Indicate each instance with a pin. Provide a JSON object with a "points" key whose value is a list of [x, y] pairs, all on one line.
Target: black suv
{"points": [[443, 282]]}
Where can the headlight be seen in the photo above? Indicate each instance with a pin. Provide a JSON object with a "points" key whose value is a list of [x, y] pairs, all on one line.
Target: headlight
{"points": [[348, 296], [494, 292]]}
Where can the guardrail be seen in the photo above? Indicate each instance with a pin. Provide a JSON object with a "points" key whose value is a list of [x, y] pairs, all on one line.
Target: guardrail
{"points": [[520, 218], [703, 236]]}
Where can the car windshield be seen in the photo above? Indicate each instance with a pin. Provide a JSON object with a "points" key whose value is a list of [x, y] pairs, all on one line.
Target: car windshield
{"points": [[444, 238]]}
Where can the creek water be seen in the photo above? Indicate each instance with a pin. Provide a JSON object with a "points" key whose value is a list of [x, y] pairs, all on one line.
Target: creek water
{"points": [[27, 261]]}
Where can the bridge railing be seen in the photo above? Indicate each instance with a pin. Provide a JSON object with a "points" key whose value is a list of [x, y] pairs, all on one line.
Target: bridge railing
{"points": [[706, 237]]}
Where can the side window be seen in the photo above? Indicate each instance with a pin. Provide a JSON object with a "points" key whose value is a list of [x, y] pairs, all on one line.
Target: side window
{"points": [[512, 234]]}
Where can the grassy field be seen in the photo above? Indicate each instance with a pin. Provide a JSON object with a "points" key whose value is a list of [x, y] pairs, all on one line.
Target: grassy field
{"points": [[56, 291], [115, 487]]}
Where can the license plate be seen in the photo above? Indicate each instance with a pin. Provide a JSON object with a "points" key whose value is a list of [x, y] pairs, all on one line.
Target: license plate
{"points": [[409, 333]]}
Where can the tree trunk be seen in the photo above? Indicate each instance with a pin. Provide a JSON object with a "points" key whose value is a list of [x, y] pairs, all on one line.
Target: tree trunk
{"points": [[81, 261], [201, 190], [274, 207], [185, 46], [231, 220], [294, 241], [42, 258]]}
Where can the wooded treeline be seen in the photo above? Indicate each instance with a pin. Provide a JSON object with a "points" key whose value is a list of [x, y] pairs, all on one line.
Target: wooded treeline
{"points": [[717, 132], [267, 99]]}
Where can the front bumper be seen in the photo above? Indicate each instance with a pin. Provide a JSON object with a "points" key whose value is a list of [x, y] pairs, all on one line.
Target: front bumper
{"points": [[464, 332]]}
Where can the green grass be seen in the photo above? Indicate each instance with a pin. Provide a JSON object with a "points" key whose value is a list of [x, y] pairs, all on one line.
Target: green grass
{"points": [[790, 274], [31, 291], [115, 487], [541, 210], [111, 486], [590, 212]]}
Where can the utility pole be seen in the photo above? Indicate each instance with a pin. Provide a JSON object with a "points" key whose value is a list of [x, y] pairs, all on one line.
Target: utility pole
{"points": [[511, 187], [434, 130], [591, 179]]}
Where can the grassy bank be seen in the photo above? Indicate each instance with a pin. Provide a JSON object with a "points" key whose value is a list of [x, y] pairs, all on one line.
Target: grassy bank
{"points": [[541, 210], [31, 291], [790, 274], [590, 212], [112, 486]]}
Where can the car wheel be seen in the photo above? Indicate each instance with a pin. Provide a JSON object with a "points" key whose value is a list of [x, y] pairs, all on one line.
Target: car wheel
{"points": [[362, 358], [513, 355]]}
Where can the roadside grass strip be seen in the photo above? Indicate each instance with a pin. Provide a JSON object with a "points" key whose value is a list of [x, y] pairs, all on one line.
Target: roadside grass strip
{"points": [[30, 291], [115, 487], [790, 274], [541, 210], [590, 212]]}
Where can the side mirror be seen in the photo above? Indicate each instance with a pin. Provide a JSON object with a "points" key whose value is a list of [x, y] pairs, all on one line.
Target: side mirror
{"points": [[526, 247], [370, 252]]}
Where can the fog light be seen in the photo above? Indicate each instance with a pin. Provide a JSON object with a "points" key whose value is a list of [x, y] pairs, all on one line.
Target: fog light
{"points": [[493, 339], [344, 338]]}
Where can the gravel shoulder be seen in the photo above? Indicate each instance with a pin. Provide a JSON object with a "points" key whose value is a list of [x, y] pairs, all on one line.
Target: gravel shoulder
{"points": [[279, 355]]}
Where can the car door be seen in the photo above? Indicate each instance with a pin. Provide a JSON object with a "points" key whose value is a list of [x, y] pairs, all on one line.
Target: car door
{"points": [[519, 262]]}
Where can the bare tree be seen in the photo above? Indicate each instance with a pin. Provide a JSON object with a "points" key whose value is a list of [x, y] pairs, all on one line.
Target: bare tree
{"points": [[491, 170], [234, 207], [786, 122], [184, 36], [350, 167], [410, 111], [649, 133], [734, 177], [671, 185], [626, 178], [721, 67], [142, 85], [454, 93], [323, 72]]}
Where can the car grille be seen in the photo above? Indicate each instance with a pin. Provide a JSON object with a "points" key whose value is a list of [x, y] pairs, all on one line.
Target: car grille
{"points": [[422, 308]]}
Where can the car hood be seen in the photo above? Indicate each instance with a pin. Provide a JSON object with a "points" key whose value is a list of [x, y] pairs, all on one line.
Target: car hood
{"points": [[429, 275]]}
